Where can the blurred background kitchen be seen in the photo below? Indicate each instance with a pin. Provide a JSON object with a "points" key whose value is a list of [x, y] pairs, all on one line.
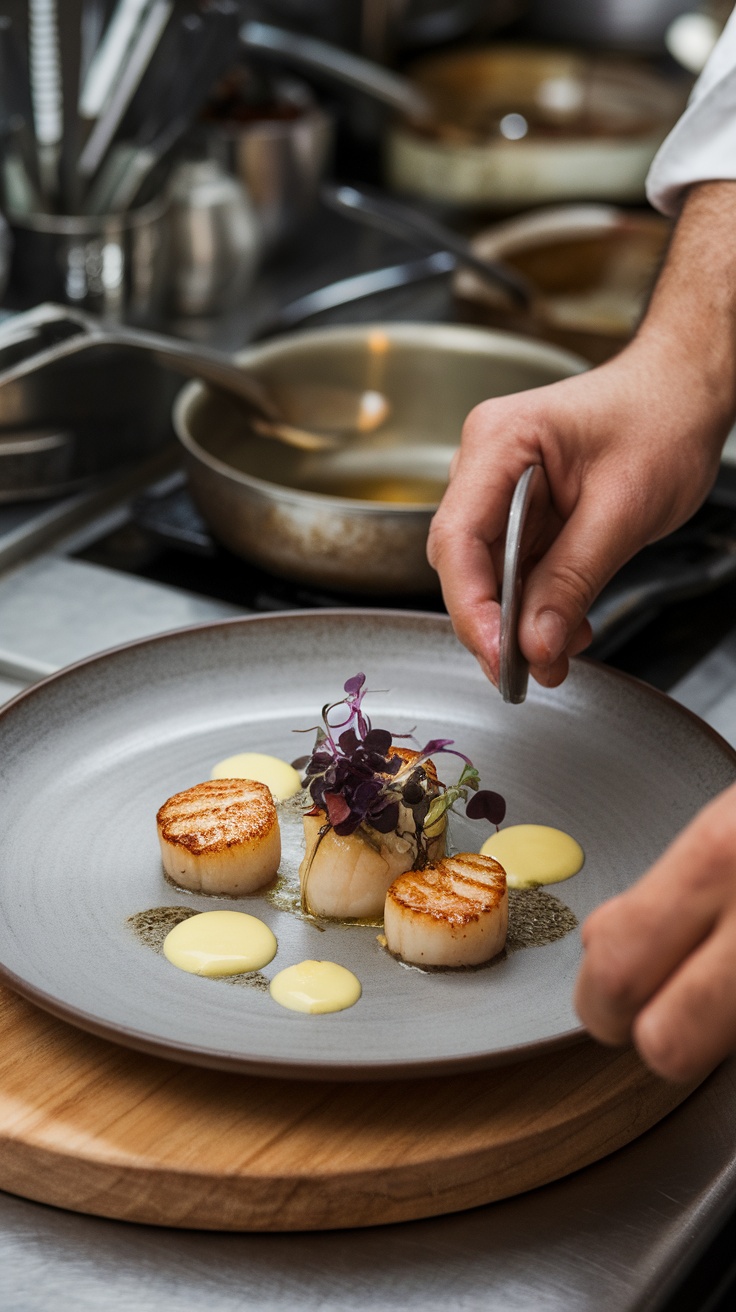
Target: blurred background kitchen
{"points": [[394, 209], [256, 175]]}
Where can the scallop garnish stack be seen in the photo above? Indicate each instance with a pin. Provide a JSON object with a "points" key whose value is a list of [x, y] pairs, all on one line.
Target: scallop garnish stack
{"points": [[379, 810]]}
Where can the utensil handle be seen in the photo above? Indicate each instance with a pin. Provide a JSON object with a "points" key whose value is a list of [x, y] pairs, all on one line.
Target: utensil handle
{"points": [[352, 70], [192, 361], [399, 220], [360, 285]]}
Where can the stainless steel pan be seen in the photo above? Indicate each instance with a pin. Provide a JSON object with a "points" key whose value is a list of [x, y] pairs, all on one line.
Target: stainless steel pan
{"points": [[518, 125], [356, 519]]}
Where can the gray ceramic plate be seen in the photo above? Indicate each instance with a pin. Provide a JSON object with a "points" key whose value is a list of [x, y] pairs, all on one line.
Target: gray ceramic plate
{"points": [[87, 757]]}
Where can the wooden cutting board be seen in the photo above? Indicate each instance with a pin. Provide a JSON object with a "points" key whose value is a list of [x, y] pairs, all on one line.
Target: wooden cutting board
{"points": [[90, 1126]]}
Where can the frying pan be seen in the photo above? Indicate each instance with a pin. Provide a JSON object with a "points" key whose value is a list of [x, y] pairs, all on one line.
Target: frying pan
{"points": [[357, 519], [593, 267]]}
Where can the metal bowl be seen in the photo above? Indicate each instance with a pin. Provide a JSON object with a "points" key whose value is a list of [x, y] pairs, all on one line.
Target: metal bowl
{"points": [[291, 512]]}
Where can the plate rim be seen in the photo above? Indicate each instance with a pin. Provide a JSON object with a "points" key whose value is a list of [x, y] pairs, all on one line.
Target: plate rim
{"points": [[297, 1068]]}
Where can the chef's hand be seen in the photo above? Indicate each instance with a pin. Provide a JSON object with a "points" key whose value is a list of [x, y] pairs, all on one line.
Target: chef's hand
{"points": [[630, 450], [660, 960]]}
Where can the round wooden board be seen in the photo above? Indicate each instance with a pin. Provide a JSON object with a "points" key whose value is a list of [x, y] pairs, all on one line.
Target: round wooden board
{"points": [[97, 1128]]}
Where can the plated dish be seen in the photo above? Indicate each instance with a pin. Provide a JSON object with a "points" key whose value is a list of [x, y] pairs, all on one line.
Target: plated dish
{"points": [[103, 744]]}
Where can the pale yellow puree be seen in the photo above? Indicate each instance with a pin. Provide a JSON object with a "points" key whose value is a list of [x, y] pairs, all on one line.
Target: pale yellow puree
{"points": [[315, 986], [220, 943], [276, 774], [534, 854]]}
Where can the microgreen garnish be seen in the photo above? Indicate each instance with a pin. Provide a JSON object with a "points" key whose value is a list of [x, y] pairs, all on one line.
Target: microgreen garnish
{"points": [[353, 776]]}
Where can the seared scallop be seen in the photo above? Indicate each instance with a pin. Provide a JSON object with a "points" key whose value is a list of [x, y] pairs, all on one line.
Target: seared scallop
{"points": [[452, 913], [221, 836], [345, 877]]}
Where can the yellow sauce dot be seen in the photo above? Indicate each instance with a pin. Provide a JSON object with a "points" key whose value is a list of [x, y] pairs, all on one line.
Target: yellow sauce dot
{"points": [[220, 943], [276, 774], [315, 987], [534, 854]]}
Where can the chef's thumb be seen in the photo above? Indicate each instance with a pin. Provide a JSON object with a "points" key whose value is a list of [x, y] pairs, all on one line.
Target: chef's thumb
{"points": [[564, 584]]}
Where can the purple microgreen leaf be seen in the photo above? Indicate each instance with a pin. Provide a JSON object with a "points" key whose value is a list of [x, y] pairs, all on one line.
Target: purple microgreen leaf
{"points": [[387, 819], [364, 795], [377, 740], [354, 684], [348, 741], [349, 826], [437, 745], [300, 762], [337, 809], [486, 805]]}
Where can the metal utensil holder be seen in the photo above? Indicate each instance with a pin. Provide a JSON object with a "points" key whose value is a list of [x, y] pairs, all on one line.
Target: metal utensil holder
{"points": [[113, 265]]}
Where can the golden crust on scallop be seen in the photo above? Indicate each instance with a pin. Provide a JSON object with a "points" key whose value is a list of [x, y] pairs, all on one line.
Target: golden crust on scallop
{"points": [[407, 756], [217, 814], [458, 890]]}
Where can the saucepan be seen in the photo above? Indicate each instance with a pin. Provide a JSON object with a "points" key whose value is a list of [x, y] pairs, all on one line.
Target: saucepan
{"points": [[503, 126], [515, 126], [354, 518]]}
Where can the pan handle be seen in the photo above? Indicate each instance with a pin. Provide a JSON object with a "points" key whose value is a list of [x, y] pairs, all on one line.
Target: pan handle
{"points": [[352, 70]]}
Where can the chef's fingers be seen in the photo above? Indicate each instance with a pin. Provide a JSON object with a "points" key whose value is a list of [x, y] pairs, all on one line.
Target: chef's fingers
{"points": [[690, 1024], [466, 546], [470, 591], [596, 540], [636, 941], [469, 570], [553, 675]]}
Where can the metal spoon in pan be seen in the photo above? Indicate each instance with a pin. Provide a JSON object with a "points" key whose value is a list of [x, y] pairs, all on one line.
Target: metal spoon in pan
{"points": [[339, 411]]}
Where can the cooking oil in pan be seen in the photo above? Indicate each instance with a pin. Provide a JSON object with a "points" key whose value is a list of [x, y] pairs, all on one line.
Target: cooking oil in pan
{"points": [[394, 488]]}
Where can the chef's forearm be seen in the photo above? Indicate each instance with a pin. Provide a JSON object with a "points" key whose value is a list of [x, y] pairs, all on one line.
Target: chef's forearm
{"points": [[689, 330]]}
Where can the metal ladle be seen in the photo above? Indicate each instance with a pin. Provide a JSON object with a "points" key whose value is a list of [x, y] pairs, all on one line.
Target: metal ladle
{"points": [[345, 411]]}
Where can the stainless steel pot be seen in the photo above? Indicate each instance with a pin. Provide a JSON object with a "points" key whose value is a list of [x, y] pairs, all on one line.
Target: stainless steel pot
{"points": [[114, 265], [356, 520], [281, 160], [518, 126]]}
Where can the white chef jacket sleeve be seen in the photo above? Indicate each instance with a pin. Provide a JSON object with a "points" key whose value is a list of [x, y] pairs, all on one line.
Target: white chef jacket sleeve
{"points": [[702, 145]]}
